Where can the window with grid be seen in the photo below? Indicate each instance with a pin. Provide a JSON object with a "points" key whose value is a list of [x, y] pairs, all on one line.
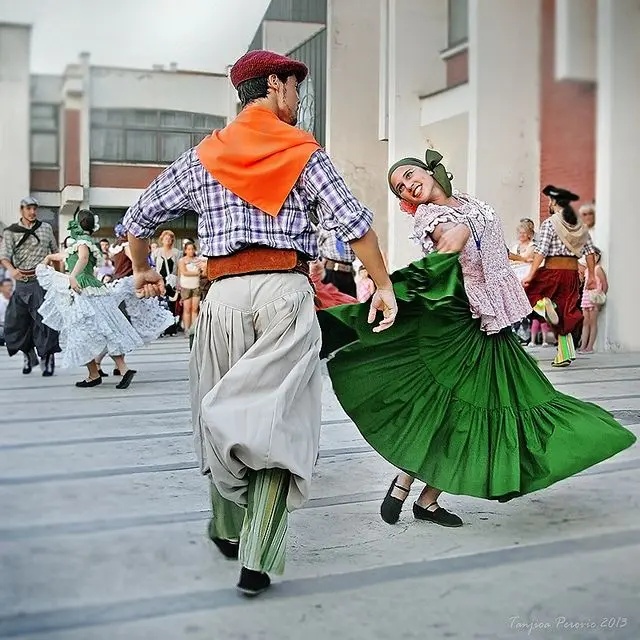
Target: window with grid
{"points": [[147, 136], [44, 134], [458, 22]]}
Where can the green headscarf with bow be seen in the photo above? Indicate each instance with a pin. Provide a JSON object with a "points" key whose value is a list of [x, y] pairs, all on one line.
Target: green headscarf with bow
{"points": [[432, 164], [75, 230]]}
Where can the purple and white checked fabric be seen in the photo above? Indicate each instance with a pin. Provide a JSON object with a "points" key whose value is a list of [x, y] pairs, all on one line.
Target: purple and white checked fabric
{"points": [[226, 223]]}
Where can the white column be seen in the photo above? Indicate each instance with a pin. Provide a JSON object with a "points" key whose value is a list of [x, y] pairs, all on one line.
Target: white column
{"points": [[504, 105], [15, 138], [417, 34], [352, 124], [618, 142]]}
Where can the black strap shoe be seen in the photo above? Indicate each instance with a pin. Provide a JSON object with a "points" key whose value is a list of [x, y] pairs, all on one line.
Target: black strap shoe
{"points": [[391, 507], [103, 374], [253, 583], [85, 384], [439, 516]]}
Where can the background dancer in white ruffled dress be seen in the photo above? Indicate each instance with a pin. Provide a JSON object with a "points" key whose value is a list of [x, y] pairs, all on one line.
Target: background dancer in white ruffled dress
{"points": [[85, 311]]}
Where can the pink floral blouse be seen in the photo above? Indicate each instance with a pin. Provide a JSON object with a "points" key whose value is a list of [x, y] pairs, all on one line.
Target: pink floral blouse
{"points": [[494, 291]]}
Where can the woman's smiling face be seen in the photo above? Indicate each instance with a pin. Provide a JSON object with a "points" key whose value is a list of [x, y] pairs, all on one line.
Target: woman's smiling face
{"points": [[412, 184]]}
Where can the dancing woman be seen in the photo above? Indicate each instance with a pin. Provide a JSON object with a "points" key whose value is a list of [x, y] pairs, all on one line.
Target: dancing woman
{"points": [[448, 395], [85, 311]]}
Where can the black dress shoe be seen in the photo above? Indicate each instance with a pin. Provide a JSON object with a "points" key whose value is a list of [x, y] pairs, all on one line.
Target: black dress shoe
{"points": [[439, 516], [103, 374], [126, 379], [253, 583], [49, 365], [228, 548], [391, 507], [85, 384], [116, 372]]}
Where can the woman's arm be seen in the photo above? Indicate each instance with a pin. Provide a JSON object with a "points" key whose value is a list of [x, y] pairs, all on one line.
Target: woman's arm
{"points": [[602, 276], [83, 259], [54, 257], [182, 271], [450, 238]]}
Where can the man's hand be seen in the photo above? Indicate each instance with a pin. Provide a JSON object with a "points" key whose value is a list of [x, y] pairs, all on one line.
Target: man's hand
{"points": [[148, 283], [16, 274], [383, 300], [453, 240]]}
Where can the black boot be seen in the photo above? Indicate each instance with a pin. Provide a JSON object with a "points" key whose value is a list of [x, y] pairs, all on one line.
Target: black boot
{"points": [[228, 548], [49, 365], [26, 366], [253, 583]]}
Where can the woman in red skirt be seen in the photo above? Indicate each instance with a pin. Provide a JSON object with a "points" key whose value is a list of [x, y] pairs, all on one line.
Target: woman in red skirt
{"points": [[554, 289]]}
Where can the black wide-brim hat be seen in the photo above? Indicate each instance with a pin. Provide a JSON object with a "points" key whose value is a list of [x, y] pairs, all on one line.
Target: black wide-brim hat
{"points": [[559, 194]]}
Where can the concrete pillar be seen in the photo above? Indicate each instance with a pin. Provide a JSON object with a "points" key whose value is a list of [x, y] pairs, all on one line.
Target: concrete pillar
{"points": [[504, 106], [352, 125], [417, 32], [85, 128], [618, 141], [15, 138]]}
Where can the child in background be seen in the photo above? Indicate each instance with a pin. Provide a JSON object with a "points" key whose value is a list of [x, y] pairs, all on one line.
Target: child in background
{"points": [[364, 285], [592, 301], [539, 326]]}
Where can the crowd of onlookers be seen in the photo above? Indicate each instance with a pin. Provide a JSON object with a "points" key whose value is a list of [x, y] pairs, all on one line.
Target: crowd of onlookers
{"points": [[183, 272]]}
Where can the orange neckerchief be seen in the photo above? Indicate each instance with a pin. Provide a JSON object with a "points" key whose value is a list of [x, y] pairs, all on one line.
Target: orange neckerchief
{"points": [[258, 157]]}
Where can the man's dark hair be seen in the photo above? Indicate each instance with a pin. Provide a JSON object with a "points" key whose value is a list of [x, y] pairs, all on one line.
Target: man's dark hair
{"points": [[104, 240], [6, 281], [256, 88], [86, 220]]}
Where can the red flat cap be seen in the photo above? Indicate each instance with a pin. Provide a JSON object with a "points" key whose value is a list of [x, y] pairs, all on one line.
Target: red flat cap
{"points": [[260, 63]]}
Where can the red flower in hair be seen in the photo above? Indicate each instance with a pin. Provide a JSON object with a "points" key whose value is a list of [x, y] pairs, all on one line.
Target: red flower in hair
{"points": [[409, 208]]}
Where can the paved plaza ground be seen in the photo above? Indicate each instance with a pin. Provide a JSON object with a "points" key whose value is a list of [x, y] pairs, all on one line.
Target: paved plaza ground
{"points": [[103, 516]]}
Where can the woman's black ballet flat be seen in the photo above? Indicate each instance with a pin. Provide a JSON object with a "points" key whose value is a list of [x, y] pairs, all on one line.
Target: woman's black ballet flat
{"points": [[391, 507], [439, 516], [85, 384], [126, 379], [116, 372], [228, 548], [103, 374]]}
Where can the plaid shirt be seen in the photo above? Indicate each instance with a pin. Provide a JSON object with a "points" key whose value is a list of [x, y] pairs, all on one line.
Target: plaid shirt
{"points": [[332, 248], [226, 223], [549, 245]]}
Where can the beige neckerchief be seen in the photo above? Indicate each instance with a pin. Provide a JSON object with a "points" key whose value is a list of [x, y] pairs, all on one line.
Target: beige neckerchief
{"points": [[574, 237]]}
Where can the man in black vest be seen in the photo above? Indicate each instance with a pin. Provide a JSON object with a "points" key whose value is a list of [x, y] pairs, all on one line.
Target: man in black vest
{"points": [[24, 246]]}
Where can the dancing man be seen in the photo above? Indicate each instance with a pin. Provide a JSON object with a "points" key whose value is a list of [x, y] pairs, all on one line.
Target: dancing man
{"points": [[25, 245], [255, 368], [554, 290]]}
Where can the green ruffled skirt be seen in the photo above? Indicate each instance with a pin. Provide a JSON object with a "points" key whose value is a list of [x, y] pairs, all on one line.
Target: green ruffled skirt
{"points": [[465, 412]]}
